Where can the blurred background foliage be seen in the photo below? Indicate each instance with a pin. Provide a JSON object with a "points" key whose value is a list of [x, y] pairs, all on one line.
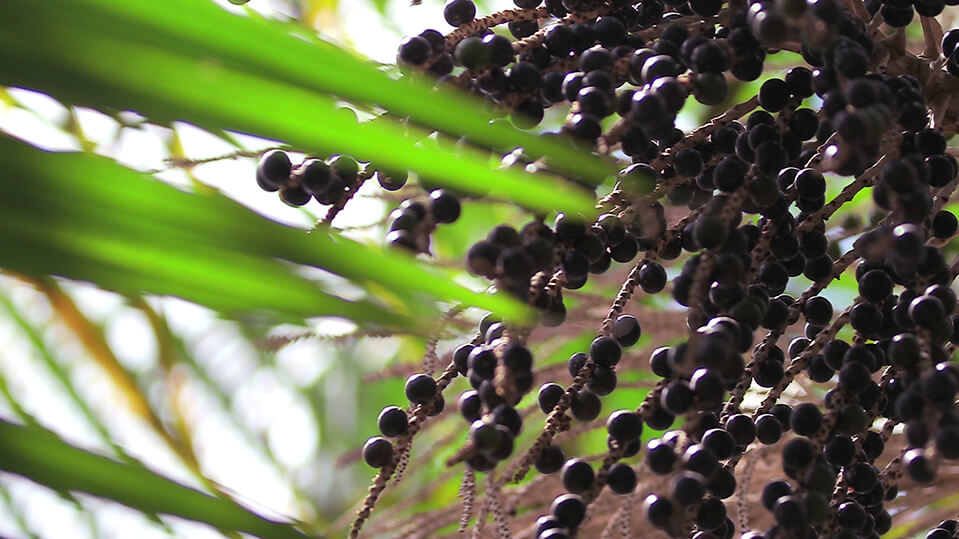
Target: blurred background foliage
{"points": [[242, 390]]}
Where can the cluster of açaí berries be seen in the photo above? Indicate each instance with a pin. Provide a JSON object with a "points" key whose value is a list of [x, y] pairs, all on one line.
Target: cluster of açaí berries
{"points": [[328, 181], [413, 221], [641, 62]]}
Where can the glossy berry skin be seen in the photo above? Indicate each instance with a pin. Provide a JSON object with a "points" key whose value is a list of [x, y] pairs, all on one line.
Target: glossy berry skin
{"points": [[314, 176], [345, 167], [774, 490], [944, 224], [444, 207], [605, 351], [660, 457], [294, 195], [550, 461], [377, 452], [658, 510], [806, 419], [393, 421], [797, 453], [577, 475], [273, 170], [472, 53], [926, 311], [624, 425], [875, 285], [919, 467], [458, 12], [547, 523], [414, 50], [420, 388], [861, 477], [621, 478], [742, 428], [652, 278], [549, 395], [585, 405], [626, 330], [719, 442], [569, 509], [687, 487], [470, 406], [789, 512], [768, 429], [818, 310], [485, 437]]}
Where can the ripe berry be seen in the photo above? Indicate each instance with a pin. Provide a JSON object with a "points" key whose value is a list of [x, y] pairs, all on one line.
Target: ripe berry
{"points": [[624, 425], [569, 509], [875, 285], [517, 358], [773, 95], [708, 386], [550, 460], [470, 406], [790, 512], [314, 176], [294, 195], [742, 428], [626, 330], [578, 476], [585, 405], [485, 437], [720, 442], [444, 207], [700, 460], [377, 452], [414, 50], [944, 224], [677, 397], [797, 454], [806, 419], [861, 477], [471, 53], [576, 363], [768, 429], [548, 397], [393, 421], [926, 311], [818, 310], [605, 350], [621, 478], [854, 377], [687, 487], [482, 361], [658, 510], [273, 170], [919, 467], [458, 12], [652, 278], [345, 167], [507, 416], [420, 388]]}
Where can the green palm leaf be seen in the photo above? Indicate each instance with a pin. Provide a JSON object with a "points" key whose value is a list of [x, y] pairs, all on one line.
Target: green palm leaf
{"points": [[188, 60], [42, 457], [122, 230]]}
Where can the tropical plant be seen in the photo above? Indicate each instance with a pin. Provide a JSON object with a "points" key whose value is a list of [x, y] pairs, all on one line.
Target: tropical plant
{"points": [[517, 185]]}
